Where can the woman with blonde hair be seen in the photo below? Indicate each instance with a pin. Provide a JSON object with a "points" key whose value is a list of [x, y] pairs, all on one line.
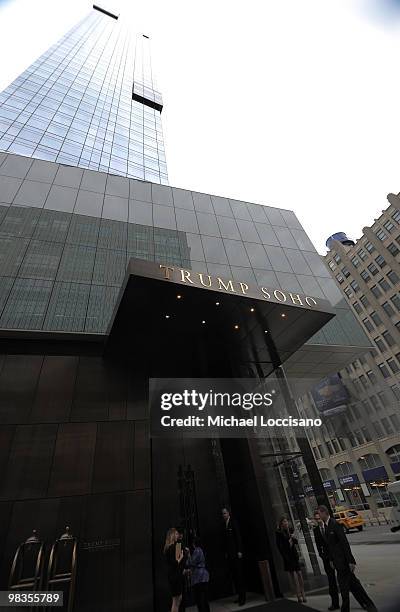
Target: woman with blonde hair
{"points": [[175, 567]]}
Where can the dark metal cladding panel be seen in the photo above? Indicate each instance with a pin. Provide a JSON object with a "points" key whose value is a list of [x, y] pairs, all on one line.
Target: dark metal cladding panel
{"points": [[73, 459], [113, 462], [30, 459], [55, 389], [18, 380]]}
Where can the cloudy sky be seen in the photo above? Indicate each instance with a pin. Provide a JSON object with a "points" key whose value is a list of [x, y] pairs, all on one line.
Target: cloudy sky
{"points": [[282, 102]]}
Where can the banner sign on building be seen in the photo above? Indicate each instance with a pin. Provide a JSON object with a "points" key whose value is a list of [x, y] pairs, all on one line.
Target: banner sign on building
{"points": [[330, 395]]}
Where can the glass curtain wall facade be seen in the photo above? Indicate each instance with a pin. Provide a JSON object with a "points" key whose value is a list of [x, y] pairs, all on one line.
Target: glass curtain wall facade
{"points": [[66, 235], [89, 101]]}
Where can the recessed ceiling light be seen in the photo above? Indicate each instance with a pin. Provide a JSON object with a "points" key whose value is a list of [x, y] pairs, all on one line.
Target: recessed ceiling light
{"points": [[217, 303], [203, 322], [167, 316], [236, 326], [252, 309], [265, 331], [178, 297], [283, 315]]}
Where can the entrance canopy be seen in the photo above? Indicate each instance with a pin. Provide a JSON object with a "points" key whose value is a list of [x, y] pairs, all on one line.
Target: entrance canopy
{"points": [[260, 327]]}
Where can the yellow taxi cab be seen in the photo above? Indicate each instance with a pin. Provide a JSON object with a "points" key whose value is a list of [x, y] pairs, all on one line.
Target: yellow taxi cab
{"points": [[350, 519]]}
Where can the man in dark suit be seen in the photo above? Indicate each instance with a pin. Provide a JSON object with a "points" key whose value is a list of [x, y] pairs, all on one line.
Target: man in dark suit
{"points": [[343, 561], [234, 554], [322, 548]]}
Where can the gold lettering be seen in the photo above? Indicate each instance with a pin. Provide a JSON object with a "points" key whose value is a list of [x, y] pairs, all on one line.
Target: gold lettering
{"points": [[244, 287], [185, 276], [310, 299], [228, 287], [278, 291], [202, 282], [266, 294], [296, 299], [167, 271]]}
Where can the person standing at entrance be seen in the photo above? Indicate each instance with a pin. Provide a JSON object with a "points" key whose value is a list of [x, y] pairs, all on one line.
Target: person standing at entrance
{"points": [[343, 561], [199, 576], [287, 546], [322, 548], [175, 566], [234, 554]]}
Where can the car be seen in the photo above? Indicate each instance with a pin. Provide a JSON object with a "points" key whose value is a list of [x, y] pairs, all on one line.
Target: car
{"points": [[350, 519]]}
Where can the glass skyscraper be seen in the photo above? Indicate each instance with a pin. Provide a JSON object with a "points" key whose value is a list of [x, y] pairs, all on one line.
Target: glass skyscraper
{"points": [[90, 101], [86, 320]]}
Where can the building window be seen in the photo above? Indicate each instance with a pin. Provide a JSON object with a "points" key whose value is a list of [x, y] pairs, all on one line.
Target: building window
{"points": [[370, 247], [364, 382], [396, 391], [392, 248], [359, 437], [373, 269], [393, 365], [378, 428], [362, 254], [357, 307], [321, 450], [396, 216], [374, 402], [376, 291], [332, 265], [387, 426], [365, 276], [388, 225], [368, 325], [339, 278], [384, 400], [381, 235], [337, 258], [380, 261], [396, 301], [355, 261], [380, 344], [366, 406], [384, 285], [355, 286], [366, 434], [388, 309], [393, 277], [370, 461], [345, 272], [371, 376], [384, 371], [395, 421], [364, 301], [348, 292], [376, 318], [388, 338]]}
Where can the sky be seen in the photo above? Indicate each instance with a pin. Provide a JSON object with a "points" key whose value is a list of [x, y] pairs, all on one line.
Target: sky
{"points": [[280, 102]]}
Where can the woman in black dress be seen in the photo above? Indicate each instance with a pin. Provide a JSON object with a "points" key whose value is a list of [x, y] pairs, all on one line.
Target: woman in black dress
{"points": [[175, 567], [287, 546]]}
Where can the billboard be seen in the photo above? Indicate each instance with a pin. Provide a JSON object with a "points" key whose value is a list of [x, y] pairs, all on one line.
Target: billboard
{"points": [[330, 395]]}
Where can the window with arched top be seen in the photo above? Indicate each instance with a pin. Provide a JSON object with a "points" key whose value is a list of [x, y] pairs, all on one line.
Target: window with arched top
{"points": [[370, 461], [394, 453], [344, 468]]}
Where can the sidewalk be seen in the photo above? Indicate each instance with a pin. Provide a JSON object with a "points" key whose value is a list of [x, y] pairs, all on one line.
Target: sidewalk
{"points": [[256, 603]]}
